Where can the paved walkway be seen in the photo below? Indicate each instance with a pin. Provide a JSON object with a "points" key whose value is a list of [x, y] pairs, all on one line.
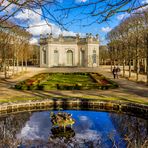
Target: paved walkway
{"points": [[128, 90], [129, 86]]}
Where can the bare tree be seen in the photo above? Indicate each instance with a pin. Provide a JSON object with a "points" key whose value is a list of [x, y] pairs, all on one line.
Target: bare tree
{"points": [[12, 42], [145, 36], [55, 11], [130, 36], [103, 54]]}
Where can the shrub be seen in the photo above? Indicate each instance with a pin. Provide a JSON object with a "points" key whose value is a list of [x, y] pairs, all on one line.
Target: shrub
{"points": [[66, 81], [18, 86], [49, 87], [24, 87], [40, 87], [32, 87]]}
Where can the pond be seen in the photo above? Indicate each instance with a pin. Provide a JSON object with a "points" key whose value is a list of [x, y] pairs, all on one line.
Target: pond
{"points": [[92, 129]]}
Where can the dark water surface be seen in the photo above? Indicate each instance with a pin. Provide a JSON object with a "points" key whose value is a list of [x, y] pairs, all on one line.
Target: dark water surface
{"points": [[91, 130]]}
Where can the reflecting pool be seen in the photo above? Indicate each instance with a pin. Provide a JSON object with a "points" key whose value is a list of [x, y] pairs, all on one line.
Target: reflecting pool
{"points": [[92, 129]]}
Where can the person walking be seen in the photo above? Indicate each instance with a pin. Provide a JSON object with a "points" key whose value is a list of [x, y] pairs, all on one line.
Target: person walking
{"points": [[117, 72], [114, 72]]}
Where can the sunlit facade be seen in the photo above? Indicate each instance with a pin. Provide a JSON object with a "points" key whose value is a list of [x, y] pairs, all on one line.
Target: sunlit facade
{"points": [[69, 51]]}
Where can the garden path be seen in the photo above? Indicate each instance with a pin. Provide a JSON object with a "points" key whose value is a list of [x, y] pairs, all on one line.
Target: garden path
{"points": [[128, 90]]}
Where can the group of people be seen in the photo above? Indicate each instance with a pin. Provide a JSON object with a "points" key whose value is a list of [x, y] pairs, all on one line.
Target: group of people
{"points": [[116, 72]]}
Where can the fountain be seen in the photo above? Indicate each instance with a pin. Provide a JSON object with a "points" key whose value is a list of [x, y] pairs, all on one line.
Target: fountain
{"points": [[62, 119]]}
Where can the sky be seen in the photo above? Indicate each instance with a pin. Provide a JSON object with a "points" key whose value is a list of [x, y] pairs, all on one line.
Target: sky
{"points": [[39, 25], [89, 126]]}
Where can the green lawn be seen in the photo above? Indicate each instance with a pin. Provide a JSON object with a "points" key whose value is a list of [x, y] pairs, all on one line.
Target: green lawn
{"points": [[69, 78], [65, 81]]}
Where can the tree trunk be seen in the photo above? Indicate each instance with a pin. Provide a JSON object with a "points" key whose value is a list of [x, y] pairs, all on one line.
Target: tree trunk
{"points": [[147, 59], [137, 69], [22, 65], [124, 68], [13, 64], [145, 65], [5, 64], [8, 62], [26, 63], [5, 69], [137, 60], [111, 66], [17, 64], [129, 68]]}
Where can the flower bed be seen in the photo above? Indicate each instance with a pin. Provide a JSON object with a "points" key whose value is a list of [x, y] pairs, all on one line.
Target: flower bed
{"points": [[66, 81], [32, 83], [103, 82]]}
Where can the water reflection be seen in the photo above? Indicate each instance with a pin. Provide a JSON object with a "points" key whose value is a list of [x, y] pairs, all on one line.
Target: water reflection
{"points": [[58, 132], [91, 129]]}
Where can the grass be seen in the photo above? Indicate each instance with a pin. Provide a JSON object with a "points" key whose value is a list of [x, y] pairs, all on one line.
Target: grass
{"points": [[68, 78], [19, 99], [88, 97], [65, 81], [50, 81]]}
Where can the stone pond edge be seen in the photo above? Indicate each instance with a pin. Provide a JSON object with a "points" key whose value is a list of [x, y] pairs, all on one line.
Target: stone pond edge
{"points": [[77, 104]]}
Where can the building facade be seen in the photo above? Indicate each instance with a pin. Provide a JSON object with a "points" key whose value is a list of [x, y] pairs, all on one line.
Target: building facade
{"points": [[69, 51]]}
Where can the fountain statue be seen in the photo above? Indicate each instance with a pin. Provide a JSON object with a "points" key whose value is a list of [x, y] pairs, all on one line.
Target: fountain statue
{"points": [[62, 119]]}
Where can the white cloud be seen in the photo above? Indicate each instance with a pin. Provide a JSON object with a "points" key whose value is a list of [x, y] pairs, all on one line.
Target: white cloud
{"points": [[141, 9], [106, 29], [144, 1], [144, 7], [81, 1], [103, 41], [83, 118], [33, 16], [36, 127], [88, 136], [68, 33], [122, 16], [8, 6], [39, 26], [34, 41], [43, 28]]}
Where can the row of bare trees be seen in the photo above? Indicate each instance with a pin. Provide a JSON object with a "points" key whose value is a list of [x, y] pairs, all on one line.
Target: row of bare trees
{"points": [[15, 49], [128, 42]]}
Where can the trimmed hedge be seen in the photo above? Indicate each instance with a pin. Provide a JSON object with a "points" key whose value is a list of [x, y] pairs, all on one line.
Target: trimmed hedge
{"points": [[66, 81]]}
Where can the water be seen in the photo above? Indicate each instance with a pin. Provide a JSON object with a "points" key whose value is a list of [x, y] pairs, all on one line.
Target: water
{"points": [[91, 130]]}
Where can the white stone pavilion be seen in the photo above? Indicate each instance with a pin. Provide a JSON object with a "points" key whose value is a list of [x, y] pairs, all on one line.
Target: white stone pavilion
{"points": [[70, 51]]}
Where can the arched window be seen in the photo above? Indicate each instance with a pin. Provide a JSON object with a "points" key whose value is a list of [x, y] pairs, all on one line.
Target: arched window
{"points": [[56, 57], [69, 57], [94, 56], [94, 51], [44, 55]]}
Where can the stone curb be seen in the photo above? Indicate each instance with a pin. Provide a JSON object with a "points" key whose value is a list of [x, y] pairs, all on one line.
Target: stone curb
{"points": [[78, 104]]}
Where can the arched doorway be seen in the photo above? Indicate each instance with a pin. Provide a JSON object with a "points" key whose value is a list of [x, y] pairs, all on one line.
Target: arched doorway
{"points": [[69, 58], [44, 56], [94, 57], [56, 58], [82, 58]]}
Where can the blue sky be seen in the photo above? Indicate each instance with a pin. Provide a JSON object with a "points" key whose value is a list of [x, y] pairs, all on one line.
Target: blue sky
{"points": [[89, 126], [38, 25]]}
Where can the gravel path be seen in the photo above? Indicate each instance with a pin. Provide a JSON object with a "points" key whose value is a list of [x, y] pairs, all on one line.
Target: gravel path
{"points": [[128, 90]]}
